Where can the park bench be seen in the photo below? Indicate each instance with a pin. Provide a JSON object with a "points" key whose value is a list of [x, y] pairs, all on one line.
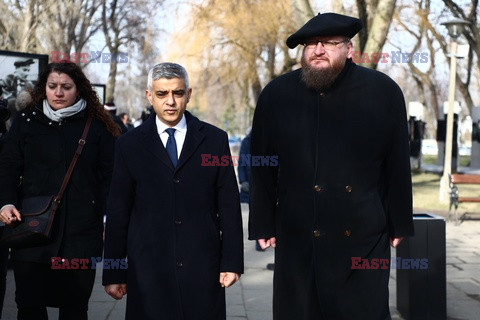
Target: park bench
{"points": [[455, 199]]}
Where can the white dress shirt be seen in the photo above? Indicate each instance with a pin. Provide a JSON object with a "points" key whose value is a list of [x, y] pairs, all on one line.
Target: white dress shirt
{"points": [[180, 133]]}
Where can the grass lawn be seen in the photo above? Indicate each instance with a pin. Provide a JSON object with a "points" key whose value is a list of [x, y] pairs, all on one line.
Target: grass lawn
{"points": [[426, 188]]}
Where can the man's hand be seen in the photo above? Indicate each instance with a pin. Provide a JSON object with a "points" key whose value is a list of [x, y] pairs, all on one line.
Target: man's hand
{"points": [[228, 278], [9, 214], [116, 291], [265, 243], [394, 242]]}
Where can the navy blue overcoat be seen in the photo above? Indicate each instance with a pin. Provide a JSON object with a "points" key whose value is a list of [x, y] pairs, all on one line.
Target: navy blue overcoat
{"points": [[180, 227]]}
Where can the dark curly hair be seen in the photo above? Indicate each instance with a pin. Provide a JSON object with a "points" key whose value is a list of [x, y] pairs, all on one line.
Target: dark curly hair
{"points": [[84, 89]]}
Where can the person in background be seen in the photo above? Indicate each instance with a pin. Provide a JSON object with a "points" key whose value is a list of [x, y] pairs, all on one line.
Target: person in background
{"points": [[244, 168], [126, 120], [38, 150], [177, 221], [342, 189], [13, 83], [244, 173], [112, 109]]}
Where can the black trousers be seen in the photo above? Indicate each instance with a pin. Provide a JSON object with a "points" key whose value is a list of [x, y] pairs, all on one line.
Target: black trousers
{"points": [[4, 253], [38, 286]]}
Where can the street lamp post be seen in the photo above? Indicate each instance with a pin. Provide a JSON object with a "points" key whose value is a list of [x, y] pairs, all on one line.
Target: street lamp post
{"points": [[455, 28]]}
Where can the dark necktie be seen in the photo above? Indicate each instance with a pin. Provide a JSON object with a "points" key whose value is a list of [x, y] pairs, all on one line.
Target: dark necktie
{"points": [[172, 146]]}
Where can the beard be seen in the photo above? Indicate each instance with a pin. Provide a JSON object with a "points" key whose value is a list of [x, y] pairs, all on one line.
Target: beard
{"points": [[320, 79]]}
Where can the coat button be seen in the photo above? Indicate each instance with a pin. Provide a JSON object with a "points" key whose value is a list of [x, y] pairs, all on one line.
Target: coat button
{"points": [[316, 233], [348, 189], [347, 233], [317, 188], [179, 222], [179, 264]]}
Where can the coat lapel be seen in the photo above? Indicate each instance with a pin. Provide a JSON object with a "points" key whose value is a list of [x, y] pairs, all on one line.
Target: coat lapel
{"points": [[193, 138], [153, 142]]}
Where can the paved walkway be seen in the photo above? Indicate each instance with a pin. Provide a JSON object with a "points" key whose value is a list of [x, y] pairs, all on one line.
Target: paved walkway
{"points": [[251, 298]]}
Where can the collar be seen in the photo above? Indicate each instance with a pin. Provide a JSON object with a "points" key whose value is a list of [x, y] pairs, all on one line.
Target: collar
{"points": [[181, 126], [341, 75], [37, 112]]}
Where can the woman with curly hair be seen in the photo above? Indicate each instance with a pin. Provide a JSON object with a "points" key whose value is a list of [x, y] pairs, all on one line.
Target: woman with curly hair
{"points": [[37, 153]]}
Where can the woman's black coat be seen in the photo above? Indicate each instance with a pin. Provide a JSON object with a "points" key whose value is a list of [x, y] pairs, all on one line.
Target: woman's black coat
{"points": [[342, 188], [40, 150]]}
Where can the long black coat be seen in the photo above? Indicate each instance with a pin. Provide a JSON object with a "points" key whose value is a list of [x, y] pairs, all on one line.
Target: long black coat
{"points": [[342, 188], [40, 150], [179, 227]]}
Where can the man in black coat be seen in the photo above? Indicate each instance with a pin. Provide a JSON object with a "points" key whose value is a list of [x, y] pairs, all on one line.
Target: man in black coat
{"points": [[176, 218], [342, 190], [244, 168]]}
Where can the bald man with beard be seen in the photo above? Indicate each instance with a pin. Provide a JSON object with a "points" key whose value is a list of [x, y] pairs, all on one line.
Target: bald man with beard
{"points": [[342, 188]]}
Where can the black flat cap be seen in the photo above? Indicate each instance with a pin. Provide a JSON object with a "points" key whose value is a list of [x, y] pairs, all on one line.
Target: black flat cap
{"points": [[326, 24], [23, 62]]}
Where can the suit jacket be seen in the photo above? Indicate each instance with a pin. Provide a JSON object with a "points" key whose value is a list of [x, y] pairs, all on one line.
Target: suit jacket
{"points": [[342, 188], [179, 227]]}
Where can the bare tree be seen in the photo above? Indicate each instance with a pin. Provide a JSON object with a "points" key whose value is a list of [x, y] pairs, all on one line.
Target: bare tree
{"points": [[19, 21], [425, 82], [377, 28], [472, 34], [132, 80], [302, 11], [235, 49], [123, 22], [34, 25], [337, 6], [69, 25]]}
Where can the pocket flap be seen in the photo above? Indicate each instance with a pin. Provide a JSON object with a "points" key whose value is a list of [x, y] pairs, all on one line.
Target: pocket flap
{"points": [[36, 205]]}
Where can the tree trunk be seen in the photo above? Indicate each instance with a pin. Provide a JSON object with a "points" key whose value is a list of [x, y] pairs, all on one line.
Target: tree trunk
{"points": [[378, 31], [256, 87], [28, 27], [110, 90], [302, 11], [337, 6], [363, 15]]}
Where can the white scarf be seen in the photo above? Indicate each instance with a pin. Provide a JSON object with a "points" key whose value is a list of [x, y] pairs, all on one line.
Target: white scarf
{"points": [[60, 114]]}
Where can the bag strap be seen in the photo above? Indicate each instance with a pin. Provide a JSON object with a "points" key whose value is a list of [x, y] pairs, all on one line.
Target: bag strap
{"points": [[81, 143]]}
